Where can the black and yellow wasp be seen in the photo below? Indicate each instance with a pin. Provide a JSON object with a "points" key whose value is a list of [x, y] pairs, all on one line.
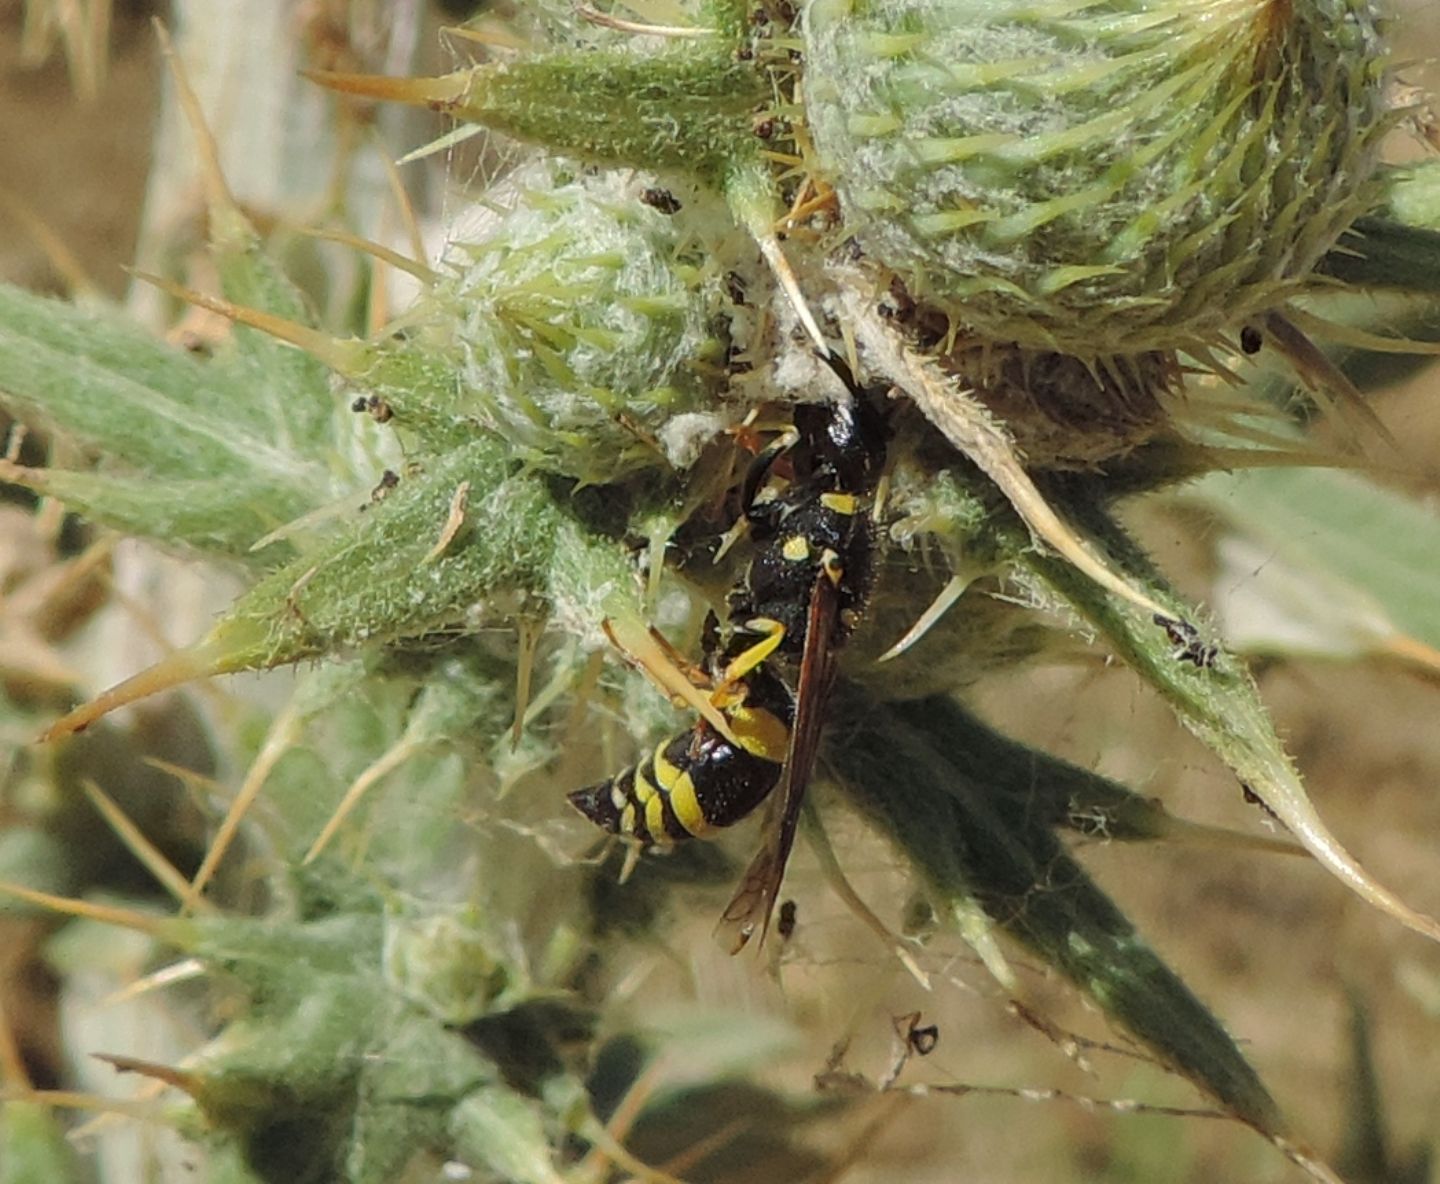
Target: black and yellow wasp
{"points": [[807, 503]]}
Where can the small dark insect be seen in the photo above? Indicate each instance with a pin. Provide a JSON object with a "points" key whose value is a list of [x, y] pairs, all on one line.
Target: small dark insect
{"points": [[1186, 639], [1251, 340], [660, 199], [195, 343], [785, 922], [919, 1039], [765, 129], [1254, 799], [388, 480], [923, 1040], [379, 410]]}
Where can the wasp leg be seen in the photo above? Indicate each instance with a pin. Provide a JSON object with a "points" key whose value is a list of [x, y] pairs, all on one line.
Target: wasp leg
{"points": [[643, 651], [773, 633], [694, 673]]}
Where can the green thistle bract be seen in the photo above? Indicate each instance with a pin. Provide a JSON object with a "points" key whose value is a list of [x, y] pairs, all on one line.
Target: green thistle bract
{"points": [[579, 324], [1097, 176]]}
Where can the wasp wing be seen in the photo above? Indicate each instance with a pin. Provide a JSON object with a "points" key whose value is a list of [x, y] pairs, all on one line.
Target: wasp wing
{"points": [[754, 901]]}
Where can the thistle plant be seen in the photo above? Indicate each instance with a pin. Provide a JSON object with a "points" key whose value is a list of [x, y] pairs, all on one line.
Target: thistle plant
{"points": [[1049, 232]]}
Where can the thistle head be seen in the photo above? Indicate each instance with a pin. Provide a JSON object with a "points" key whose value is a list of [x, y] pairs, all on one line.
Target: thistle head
{"points": [[586, 327], [1097, 178]]}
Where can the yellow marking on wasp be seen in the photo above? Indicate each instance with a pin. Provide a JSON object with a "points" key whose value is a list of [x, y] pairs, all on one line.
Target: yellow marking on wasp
{"points": [[841, 503], [627, 819], [686, 804], [796, 548], [655, 820], [634, 640], [761, 734], [645, 791], [749, 659], [666, 773], [832, 567]]}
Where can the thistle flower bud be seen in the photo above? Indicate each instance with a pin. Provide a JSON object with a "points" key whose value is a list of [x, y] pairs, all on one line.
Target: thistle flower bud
{"points": [[585, 327], [1097, 178]]}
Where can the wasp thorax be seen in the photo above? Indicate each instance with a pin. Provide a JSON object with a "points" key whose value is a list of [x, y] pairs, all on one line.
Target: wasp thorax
{"points": [[1100, 176], [587, 327]]}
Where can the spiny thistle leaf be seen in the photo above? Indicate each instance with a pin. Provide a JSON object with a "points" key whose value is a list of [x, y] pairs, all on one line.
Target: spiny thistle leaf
{"points": [[687, 110], [972, 843], [331, 1074], [289, 389], [222, 516], [1380, 253], [1412, 194], [1213, 696], [1075, 179], [147, 405], [464, 543], [1030, 784]]}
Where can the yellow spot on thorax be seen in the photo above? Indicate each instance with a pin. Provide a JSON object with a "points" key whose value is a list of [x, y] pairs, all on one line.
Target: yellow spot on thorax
{"points": [[841, 503], [796, 548]]}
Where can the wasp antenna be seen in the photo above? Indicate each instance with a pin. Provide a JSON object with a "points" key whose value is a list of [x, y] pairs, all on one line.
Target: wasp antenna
{"points": [[639, 646]]}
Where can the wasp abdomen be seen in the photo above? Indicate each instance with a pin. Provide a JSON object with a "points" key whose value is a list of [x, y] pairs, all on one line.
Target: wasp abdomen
{"points": [[692, 784]]}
